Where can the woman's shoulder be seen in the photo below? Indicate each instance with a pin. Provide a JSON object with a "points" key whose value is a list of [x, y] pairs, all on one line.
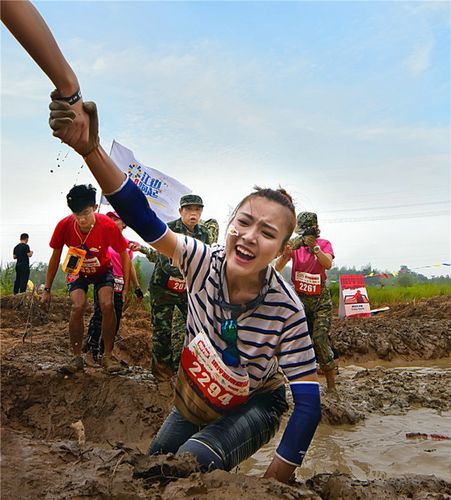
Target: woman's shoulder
{"points": [[194, 250], [282, 292]]}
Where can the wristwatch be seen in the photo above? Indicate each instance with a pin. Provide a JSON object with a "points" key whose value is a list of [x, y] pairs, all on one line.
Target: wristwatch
{"points": [[316, 249]]}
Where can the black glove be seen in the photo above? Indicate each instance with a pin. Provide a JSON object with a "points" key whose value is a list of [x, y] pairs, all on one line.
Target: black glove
{"points": [[139, 293]]}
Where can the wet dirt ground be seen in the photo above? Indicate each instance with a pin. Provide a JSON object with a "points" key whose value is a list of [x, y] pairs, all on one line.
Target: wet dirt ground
{"points": [[86, 435]]}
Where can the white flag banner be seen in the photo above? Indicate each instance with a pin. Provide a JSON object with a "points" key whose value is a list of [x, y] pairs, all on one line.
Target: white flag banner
{"points": [[162, 191]]}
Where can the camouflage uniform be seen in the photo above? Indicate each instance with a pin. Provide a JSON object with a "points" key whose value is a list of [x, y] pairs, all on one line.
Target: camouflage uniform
{"points": [[178, 321], [213, 228], [168, 344], [318, 308]]}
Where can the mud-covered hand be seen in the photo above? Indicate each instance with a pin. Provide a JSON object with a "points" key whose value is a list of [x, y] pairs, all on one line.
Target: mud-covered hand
{"points": [[76, 125], [310, 241]]}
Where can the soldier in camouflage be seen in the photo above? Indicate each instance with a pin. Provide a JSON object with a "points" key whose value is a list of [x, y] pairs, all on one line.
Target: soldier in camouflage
{"points": [[164, 301], [167, 291], [312, 256]]}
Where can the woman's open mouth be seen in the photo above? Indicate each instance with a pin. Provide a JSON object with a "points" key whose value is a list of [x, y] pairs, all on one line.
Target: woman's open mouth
{"points": [[244, 254]]}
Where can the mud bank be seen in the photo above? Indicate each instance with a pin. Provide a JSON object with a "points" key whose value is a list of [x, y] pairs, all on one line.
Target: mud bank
{"points": [[416, 330]]}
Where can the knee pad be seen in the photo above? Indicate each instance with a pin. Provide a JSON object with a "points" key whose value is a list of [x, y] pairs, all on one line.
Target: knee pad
{"points": [[207, 458]]}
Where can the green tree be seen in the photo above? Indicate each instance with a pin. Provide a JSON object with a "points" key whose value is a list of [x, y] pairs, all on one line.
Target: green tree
{"points": [[405, 277], [7, 277]]}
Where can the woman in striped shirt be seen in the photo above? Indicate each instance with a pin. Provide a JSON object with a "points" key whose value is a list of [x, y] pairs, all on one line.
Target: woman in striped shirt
{"points": [[246, 330]]}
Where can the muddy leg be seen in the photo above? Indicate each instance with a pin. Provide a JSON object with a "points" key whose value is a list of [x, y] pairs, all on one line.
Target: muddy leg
{"points": [[162, 315], [105, 295], [76, 327]]}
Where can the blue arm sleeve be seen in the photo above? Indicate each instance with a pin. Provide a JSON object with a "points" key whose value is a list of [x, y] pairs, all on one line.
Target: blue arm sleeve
{"points": [[302, 424], [133, 208]]}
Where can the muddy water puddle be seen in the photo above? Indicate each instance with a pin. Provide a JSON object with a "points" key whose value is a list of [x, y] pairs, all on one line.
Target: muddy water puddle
{"points": [[373, 449], [377, 447]]}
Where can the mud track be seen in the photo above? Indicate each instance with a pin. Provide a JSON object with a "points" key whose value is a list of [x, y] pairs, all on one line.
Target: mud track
{"points": [[45, 456]]}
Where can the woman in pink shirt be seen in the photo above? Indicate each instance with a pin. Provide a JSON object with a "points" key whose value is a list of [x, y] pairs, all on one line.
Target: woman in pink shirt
{"points": [[94, 346], [311, 257]]}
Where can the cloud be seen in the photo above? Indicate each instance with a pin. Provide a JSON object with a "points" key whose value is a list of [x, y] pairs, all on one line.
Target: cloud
{"points": [[419, 59], [439, 10]]}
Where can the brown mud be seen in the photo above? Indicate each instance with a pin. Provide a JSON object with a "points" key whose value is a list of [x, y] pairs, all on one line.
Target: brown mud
{"points": [[103, 456]]}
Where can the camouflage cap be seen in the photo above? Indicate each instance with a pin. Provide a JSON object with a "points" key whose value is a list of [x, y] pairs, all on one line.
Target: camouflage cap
{"points": [[307, 219], [191, 199]]}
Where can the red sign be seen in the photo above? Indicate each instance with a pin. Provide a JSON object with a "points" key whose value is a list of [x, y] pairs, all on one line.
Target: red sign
{"points": [[354, 300]]}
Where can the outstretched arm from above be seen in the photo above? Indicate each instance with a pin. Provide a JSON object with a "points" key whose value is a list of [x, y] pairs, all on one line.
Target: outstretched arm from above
{"points": [[30, 30]]}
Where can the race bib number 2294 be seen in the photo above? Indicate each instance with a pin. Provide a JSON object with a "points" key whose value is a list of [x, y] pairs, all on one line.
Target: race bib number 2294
{"points": [[218, 384]]}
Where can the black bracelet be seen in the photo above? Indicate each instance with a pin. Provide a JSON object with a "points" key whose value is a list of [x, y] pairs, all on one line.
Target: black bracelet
{"points": [[71, 99], [46, 289]]}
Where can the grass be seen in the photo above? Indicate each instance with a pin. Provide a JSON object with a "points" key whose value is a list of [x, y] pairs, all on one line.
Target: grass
{"points": [[379, 296], [391, 295]]}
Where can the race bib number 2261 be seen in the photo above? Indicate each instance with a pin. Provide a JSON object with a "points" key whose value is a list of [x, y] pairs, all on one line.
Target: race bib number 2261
{"points": [[308, 284]]}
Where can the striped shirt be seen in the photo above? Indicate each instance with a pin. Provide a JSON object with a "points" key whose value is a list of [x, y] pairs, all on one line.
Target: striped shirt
{"points": [[274, 334]]}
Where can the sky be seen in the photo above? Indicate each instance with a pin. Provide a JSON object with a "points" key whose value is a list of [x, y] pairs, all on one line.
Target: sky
{"points": [[344, 104]]}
